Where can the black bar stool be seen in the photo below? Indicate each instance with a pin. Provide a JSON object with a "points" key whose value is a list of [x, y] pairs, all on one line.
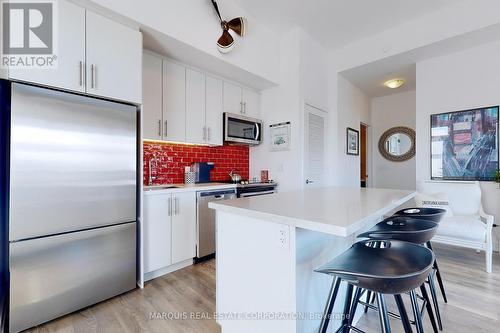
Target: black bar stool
{"points": [[430, 214], [414, 231], [391, 268]]}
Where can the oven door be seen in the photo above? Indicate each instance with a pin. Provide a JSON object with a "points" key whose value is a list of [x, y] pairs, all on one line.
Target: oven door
{"points": [[241, 129], [254, 194], [253, 191]]}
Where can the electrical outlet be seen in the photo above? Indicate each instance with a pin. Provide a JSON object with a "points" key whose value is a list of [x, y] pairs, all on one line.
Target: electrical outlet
{"points": [[283, 239]]}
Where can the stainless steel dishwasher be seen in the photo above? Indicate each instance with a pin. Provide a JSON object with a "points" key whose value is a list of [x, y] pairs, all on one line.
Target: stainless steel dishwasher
{"points": [[205, 221]]}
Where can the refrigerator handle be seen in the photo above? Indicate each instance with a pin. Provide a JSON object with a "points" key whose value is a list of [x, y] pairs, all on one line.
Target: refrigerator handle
{"points": [[176, 202]]}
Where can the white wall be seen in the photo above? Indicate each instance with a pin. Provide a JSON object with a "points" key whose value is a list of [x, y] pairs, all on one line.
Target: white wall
{"points": [[387, 112], [195, 23], [353, 108], [281, 104], [304, 79], [459, 81]]}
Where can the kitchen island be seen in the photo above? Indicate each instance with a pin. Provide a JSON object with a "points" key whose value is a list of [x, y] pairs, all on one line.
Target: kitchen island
{"points": [[269, 246]]}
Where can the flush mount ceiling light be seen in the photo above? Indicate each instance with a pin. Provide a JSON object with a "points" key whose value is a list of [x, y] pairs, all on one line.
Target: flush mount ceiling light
{"points": [[394, 83]]}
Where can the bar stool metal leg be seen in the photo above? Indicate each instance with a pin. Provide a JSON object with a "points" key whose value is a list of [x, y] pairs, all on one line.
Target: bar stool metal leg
{"points": [[330, 302], [425, 295], [403, 314], [416, 312], [347, 308], [368, 299], [432, 287], [354, 306], [382, 313], [438, 275]]}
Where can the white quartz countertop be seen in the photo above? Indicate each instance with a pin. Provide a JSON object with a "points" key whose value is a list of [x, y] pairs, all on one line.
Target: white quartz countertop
{"points": [[162, 189], [338, 211]]}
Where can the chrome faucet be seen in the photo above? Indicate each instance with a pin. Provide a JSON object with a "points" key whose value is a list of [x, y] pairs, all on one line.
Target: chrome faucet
{"points": [[152, 160]]}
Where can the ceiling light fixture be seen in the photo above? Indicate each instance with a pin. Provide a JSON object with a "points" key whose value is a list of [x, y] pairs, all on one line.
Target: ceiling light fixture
{"points": [[394, 83]]}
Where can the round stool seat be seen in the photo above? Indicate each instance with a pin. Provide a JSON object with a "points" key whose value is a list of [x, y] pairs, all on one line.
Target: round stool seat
{"points": [[430, 214], [404, 229], [393, 268]]}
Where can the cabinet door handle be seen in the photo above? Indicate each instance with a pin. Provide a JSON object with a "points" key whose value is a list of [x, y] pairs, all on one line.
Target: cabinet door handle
{"points": [[159, 127], [241, 108], [170, 206], [176, 204], [165, 130], [92, 85], [245, 107], [204, 133], [208, 130], [81, 73]]}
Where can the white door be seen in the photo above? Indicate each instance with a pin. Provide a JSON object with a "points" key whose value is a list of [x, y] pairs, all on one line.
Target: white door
{"points": [[183, 226], [174, 102], [70, 51], [232, 98], [114, 54], [214, 111], [157, 229], [314, 147], [152, 74], [196, 131], [251, 103]]}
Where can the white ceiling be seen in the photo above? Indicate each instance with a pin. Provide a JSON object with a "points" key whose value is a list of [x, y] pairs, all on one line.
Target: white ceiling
{"points": [[371, 77], [335, 23]]}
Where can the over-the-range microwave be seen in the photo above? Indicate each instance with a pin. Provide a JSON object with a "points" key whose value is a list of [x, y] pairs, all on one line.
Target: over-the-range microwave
{"points": [[240, 129]]}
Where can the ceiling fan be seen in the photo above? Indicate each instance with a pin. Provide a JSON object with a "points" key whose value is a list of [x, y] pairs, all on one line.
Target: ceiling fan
{"points": [[226, 41]]}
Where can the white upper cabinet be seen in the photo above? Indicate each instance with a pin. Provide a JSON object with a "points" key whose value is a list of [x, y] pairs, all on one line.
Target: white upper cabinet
{"points": [[153, 96], [251, 103], [232, 98], [114, 54], [70, 71], [183, 226], [193, 102], [214, 110], [174, 102], [241, 100], [196, 131]]}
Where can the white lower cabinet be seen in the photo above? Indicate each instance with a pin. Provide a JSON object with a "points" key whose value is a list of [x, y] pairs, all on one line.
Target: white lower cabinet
{"points": [[157, 232], [183, 226], [169, 233]]}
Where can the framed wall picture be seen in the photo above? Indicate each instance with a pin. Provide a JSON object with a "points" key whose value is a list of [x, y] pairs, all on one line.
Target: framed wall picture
{"points": [[464, 144], [352, 137], [280, 136]]}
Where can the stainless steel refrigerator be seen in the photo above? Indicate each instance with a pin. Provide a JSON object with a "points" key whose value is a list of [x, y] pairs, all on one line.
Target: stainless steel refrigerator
{"points": [[72, 214]]}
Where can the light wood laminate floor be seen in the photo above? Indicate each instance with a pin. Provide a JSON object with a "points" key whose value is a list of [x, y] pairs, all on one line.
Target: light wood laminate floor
{"points": [[473, 302]]}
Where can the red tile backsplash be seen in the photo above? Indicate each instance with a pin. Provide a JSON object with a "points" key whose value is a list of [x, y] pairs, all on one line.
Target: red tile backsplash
{"points": [[172, 158]]}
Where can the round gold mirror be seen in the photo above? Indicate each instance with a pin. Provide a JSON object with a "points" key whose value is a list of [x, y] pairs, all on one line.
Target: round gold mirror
{"points": [[397, 144]]}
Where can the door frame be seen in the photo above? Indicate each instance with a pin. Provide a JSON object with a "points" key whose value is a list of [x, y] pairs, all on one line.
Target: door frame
{"points": [[304, 137], [369, 153]]}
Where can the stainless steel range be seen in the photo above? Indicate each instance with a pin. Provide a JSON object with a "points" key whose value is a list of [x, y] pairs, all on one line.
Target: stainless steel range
{"points": [[255, 189]]}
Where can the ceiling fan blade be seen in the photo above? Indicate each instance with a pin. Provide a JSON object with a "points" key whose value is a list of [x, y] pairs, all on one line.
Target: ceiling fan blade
{"points": [[217, 9], [225, 42], [238, 25]]}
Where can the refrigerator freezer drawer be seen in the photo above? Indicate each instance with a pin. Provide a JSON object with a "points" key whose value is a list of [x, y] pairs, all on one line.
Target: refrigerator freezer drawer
{"points": [[56, 275], [73, 163]]}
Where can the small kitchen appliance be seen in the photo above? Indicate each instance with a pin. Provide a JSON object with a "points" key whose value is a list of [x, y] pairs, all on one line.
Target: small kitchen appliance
{"points": [[202, 170]]}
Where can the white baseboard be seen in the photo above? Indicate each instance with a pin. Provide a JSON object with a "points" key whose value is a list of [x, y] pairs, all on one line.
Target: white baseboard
{"points": [[166, 270]]}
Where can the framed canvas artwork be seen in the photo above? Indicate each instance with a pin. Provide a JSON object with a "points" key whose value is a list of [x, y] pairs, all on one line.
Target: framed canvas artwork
{"points": [[464, 144], [352, 141]]}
